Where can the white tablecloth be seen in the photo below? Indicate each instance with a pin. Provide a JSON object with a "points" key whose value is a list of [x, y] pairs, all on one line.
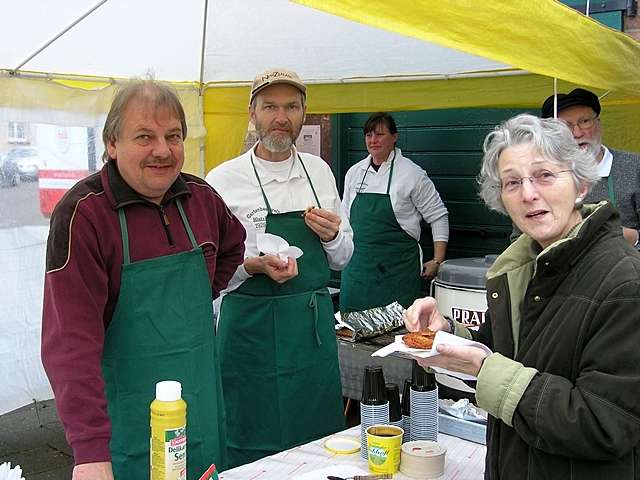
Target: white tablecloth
{"points": [[464, 461]]}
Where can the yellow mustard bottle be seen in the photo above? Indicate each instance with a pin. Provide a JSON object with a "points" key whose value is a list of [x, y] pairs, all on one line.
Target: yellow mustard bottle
{"points": [[168, 444]]}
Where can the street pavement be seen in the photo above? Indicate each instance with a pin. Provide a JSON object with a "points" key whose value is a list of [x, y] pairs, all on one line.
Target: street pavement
{"points": [[32, 437]]}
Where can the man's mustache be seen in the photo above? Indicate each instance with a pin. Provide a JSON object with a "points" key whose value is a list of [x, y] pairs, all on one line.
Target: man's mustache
{"points": [[169, 162]]}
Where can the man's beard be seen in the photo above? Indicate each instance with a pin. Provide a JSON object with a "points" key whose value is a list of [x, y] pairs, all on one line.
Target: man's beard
{"points": [[277, 143], [593, 147]]}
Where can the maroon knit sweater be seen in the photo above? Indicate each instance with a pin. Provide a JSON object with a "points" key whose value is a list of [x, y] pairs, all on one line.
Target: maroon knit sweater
{"points": [[82, 282]]}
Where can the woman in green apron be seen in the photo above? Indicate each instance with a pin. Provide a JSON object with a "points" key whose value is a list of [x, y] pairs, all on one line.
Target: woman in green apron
{"points": [[163, 334], [278, 350], [386, 263]]}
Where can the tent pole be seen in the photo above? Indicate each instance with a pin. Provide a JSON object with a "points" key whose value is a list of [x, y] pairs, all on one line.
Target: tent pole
{"points": [[202, 164], [555, 97], [99, 4], [203, 44]]}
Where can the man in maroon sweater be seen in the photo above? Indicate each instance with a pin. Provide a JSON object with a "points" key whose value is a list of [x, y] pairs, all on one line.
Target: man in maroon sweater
{"points": [[135, 255]]}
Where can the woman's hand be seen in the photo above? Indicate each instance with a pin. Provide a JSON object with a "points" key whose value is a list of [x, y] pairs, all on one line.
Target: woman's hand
{"points": [[457, 359], [430, 269], [424, 314]]}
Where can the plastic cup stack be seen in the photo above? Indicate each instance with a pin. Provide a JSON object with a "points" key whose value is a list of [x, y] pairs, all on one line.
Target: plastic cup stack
{"points": [[374, 407], [406, 410], [424, 405], [395, 411]]}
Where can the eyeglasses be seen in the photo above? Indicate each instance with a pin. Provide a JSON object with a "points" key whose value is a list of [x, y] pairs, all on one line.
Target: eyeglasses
{"points": [[582, 124], [543, 178]]}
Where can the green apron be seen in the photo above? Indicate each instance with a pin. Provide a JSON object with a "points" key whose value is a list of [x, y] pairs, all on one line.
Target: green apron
{"points": [[162, 329], [611, 190], [385, 266], [278, 351]]}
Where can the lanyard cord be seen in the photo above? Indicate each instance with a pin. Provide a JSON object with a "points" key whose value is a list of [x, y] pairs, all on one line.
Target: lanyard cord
{"points": [[393, 159], [264, 195]]}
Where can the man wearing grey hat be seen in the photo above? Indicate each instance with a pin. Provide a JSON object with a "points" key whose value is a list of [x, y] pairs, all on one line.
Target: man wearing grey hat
{"points": [[619, 171], [279, 360]]}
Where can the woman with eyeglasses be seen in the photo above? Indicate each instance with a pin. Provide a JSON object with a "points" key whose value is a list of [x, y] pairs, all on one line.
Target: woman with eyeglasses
{"points": [[563, 385]]}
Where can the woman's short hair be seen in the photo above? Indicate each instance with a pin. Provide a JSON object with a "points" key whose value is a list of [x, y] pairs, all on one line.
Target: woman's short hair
{"points": [[550, 137], [162, 95], [380, 118]]}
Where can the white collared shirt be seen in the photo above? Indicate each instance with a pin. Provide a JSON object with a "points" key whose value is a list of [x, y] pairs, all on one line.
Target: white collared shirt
{"points": [[286, 186], [604, 165], [413, 195]]}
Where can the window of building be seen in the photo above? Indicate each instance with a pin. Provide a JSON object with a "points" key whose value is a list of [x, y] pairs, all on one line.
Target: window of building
{"points": [[18, 132]]}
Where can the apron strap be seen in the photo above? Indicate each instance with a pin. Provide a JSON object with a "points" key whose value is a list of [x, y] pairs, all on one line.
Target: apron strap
{"points": [[393, 159], [313, 303], [363, 177], [187, 226], [124, 233], [264, 196], [309, 178], [612, 191]]}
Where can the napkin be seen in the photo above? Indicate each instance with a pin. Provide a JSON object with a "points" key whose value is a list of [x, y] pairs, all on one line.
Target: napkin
{"points": [[441, 338], [270, 244], [8, 473]]}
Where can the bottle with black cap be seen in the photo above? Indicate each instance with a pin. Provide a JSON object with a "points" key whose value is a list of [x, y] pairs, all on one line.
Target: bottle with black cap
{"points": [[374, 406], [424, 404]]}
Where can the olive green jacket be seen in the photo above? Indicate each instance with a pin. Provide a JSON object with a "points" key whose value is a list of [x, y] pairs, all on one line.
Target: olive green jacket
{"points": [[563, 388]]}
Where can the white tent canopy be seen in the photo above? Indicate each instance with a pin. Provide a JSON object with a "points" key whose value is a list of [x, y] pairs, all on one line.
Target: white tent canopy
{"points": [[121, 38]]}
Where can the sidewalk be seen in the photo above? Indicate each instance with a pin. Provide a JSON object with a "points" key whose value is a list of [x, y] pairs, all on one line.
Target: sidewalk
{"points": [[32, 437]]}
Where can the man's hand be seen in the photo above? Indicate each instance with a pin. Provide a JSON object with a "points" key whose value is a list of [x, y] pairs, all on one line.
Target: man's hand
{"points": [[93, 471], [457, 359], [324, 223], [630, 235], [273, 266], [424, 314]]}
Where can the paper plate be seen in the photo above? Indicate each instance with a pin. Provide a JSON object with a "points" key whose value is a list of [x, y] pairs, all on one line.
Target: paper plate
{"points": [[342, 445]]}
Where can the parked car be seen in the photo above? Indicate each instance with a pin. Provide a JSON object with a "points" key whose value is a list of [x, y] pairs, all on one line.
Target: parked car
{"points": [[9, 174], [27, 160]]}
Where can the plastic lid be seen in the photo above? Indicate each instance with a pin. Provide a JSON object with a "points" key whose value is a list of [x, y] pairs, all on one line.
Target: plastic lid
{"points": [[342, 445], [465, 272], [168, 391], [424, 448]]}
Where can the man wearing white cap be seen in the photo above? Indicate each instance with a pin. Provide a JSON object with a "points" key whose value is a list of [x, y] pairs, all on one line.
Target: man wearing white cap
{"points": [[279, 359]]}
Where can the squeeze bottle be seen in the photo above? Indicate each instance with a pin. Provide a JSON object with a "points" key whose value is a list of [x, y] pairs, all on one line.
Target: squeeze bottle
{"points": [[168, 449]]}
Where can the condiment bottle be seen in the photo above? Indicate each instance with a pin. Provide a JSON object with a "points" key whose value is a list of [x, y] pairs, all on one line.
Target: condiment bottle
{"points": [[168, 455]]}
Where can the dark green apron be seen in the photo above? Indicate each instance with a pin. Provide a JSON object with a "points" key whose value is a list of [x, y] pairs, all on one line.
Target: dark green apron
{"points": [[385, 266], [162, 329], [278, 349], [611, 190]]}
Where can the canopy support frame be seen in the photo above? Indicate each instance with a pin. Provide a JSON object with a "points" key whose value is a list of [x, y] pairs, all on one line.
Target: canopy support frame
{"points": [[65, 30]]}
